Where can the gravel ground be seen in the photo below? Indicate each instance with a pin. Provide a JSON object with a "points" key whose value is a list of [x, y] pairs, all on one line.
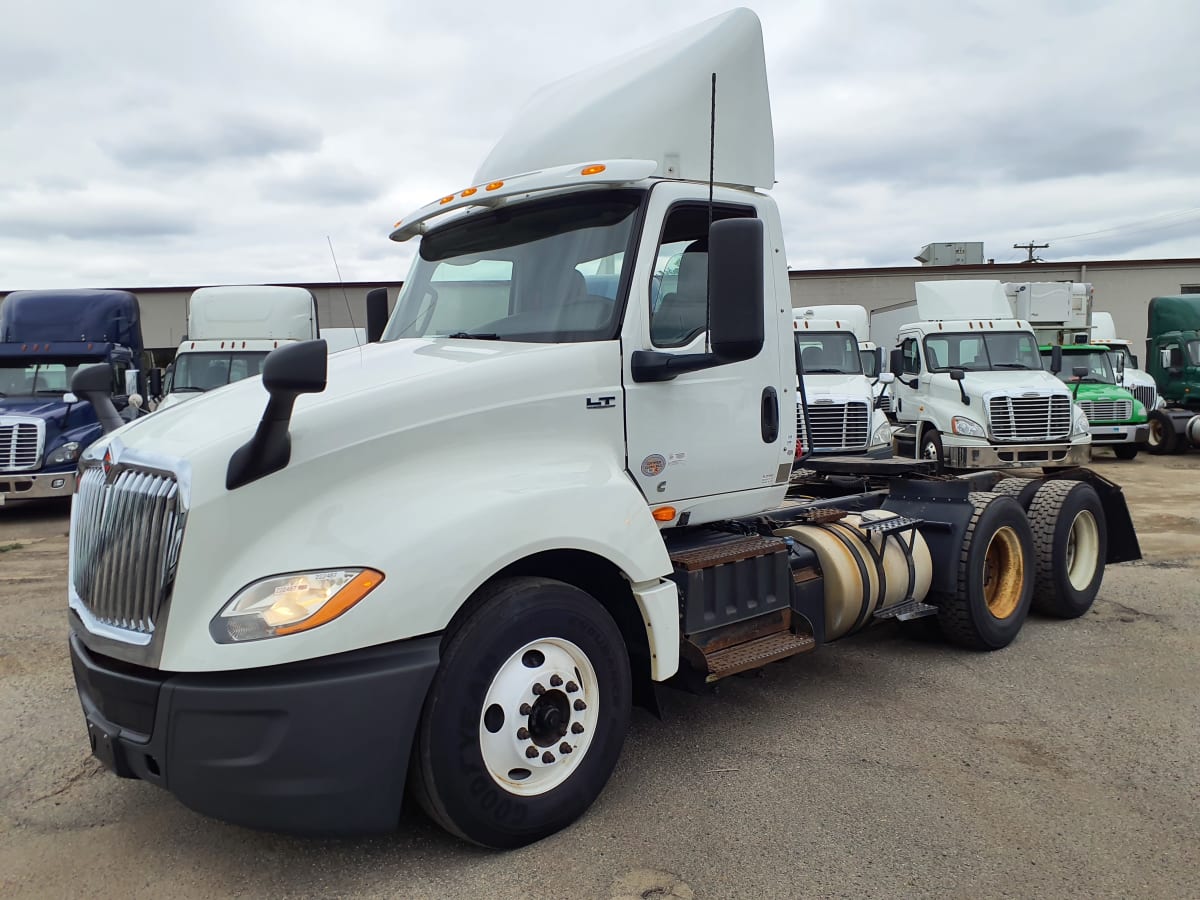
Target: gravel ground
{"points": [[1064, 765]]}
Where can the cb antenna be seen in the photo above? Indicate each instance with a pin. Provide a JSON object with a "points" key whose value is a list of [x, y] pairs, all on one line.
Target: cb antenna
{"points": [[342, 285], [712, 162]]}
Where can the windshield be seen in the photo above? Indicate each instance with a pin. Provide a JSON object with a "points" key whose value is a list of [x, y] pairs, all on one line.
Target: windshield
{"points": [[982, 352], [828, 353], [48, 378], [547, 271], [1098, 364], [205, 371]]}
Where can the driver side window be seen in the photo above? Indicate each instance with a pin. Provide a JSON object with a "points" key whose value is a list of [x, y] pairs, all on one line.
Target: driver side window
{"points": [[912, 356], [679, 289]]}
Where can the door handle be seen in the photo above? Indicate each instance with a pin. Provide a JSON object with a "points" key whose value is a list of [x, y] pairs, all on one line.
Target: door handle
{"points": [[770, 415]]}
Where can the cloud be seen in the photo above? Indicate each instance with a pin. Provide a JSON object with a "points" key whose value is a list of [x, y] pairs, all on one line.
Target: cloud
{"points": [[326, 183], [178, 143]]}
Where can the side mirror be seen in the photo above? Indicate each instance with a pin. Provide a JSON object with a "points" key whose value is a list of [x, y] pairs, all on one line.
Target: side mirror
{"points": [[879, 362], [1079, 372], [736, 305], [735, 289], [377, 314], [896, 360], [886, 377], [288, 372], [957, 374], [156, 382], [69, 398], [1121, 364], [1056, 358], [94, 384]]}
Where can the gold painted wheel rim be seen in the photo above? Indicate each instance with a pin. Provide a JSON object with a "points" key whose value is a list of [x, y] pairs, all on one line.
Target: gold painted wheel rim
{"points": [[1003, 573], [1156, 432]]}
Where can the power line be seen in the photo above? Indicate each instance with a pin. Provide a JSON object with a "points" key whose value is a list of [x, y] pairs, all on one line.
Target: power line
{"points": [[1030, 247], [1181, 212]]}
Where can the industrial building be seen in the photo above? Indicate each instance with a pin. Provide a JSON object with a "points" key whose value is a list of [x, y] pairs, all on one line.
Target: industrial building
{"points": [[1123, 288]]}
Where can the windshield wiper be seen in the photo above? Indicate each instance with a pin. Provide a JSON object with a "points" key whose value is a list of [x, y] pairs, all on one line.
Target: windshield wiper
{"points": [[475, 335], [825, 372], [187, 388], [1012, 366]]}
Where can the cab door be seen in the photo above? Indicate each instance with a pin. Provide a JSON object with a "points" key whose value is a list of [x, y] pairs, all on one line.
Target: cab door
{"points": [[718, 441]]}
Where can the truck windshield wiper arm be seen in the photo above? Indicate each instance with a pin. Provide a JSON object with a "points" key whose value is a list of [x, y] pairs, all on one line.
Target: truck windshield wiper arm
{"points": [[475, 335], [826, 372], [187, 388], [1012, 366]]}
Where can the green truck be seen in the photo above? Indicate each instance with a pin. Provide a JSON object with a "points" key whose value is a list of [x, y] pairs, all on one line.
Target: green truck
{"points": [[1116, 418], [1173, 359]]}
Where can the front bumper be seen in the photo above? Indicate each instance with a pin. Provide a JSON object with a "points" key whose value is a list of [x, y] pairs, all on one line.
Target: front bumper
{"points": [[1016, 456], [1120, 434], [35, 485], [319, 747]]}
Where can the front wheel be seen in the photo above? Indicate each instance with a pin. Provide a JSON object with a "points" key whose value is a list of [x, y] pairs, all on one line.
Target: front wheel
{"points": [[526, 716], [931, 449], [1161, 436], [1125, 451]]}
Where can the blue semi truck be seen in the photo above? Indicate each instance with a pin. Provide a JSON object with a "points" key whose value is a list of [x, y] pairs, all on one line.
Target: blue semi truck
{"points": [[45, 336]]}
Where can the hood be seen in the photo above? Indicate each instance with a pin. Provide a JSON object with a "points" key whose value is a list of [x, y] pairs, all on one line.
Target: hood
{"points": [[1090, 390], [51, 410], [374, 390], [828, 385]]}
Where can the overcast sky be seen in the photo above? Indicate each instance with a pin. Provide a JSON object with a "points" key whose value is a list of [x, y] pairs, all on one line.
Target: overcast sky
{"points": [[171, 143]]}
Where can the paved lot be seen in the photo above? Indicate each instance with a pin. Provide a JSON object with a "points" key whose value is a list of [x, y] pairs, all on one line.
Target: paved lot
{"points": [[1066, 765]]}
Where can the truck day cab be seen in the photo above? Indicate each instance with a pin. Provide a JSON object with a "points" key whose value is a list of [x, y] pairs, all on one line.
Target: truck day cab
{"points": [[449, 562], [1115, 417], [970, 390], [45, 336], [1173, 359], [231, 329]]}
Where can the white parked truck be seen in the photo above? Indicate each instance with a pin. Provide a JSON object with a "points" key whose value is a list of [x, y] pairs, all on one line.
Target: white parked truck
{"points": [[449, 563], [970, 390], [840, 399], [1130, 375], [231, 329]]}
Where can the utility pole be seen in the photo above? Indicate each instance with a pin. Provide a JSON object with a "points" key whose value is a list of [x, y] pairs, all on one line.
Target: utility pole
{"points": [[1029, 248]]}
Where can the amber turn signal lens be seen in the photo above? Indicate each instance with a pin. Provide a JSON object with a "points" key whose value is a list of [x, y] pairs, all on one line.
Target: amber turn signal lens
{"points": [[592, 170], [664, 514]]}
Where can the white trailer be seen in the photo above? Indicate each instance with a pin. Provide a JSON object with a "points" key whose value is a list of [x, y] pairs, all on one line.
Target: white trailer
{"points": [[449, 563]]}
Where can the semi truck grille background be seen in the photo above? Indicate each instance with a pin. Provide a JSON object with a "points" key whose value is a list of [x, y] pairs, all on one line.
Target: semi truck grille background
{"points": [[21, 442], [1030, 418], [1146, 394], [125, 545], [1107, 410], [885, 402], [839, 426]]}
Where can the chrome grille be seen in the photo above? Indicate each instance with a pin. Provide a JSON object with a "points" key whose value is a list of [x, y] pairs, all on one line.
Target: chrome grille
{"points": [[1107, 410], [1146, 393], [1030, 418], [838, 426], [885, 402], [21, 442], [125, 540]]}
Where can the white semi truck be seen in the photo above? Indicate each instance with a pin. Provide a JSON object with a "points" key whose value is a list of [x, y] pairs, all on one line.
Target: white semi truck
{"points": [[840, 399], [449, 563], [231, 329], [1130, 375], [970, 390]]}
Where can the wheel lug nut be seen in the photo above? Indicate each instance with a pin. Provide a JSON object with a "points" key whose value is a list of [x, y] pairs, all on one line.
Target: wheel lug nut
{"points": [[547, 757], [564, 747], [555, 681], [525, 709], [522, 734], [572, 687], [530, 752], [576, 728], [538, 689], [579, 704]]}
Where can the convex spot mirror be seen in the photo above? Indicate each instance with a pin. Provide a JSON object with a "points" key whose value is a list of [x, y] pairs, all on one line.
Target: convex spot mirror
{"points": [[886, 377]]}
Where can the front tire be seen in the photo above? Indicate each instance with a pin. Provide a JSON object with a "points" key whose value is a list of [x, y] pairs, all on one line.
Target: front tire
{"points": [[995, 577], [1071, 545], [527, 714], [931, 449], [1161, 436], [1125, 451]]}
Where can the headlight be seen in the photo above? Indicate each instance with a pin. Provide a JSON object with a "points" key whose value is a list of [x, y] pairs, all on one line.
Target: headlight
{"points": [[882, 435], [967, 427], [287, 604], [68, 452], [1139, 409], [1079, 424]]}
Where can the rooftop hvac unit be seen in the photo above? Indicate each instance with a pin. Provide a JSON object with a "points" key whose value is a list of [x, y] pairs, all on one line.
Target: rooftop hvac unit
{"points": [[964, 253]]}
